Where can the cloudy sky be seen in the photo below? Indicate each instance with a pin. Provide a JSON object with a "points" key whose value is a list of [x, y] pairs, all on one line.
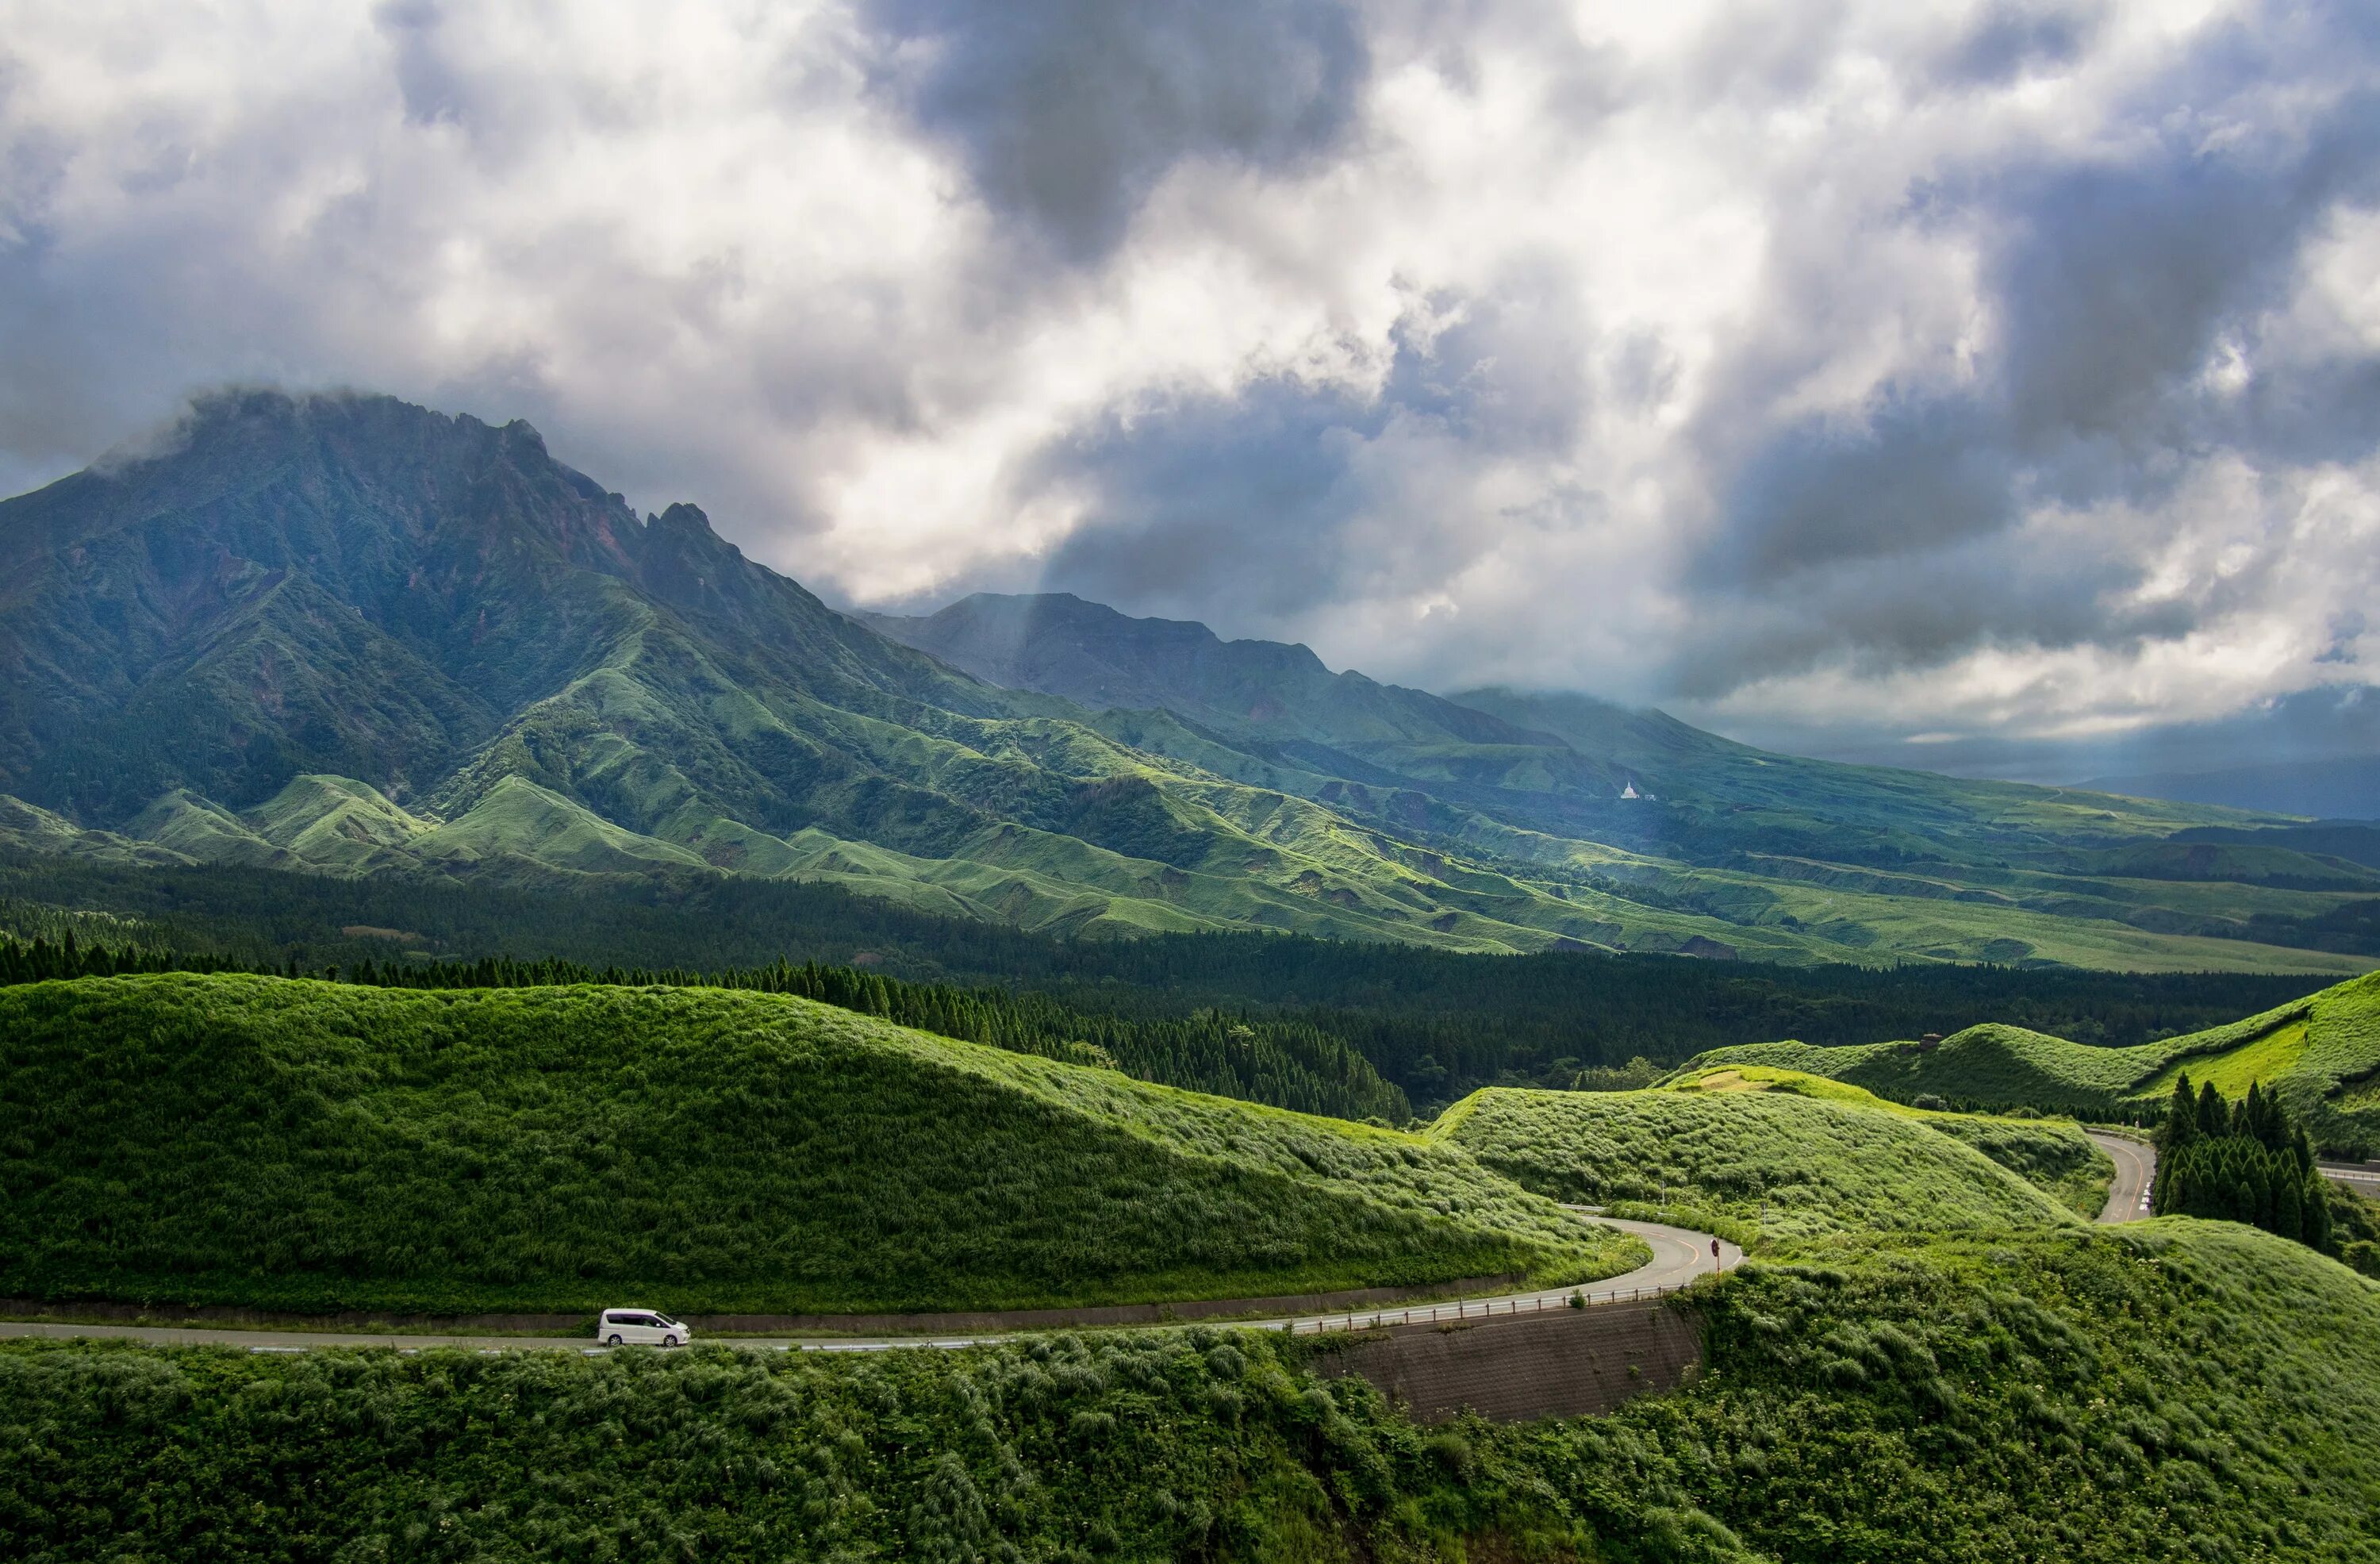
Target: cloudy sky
{"points": [[1990, 384]]}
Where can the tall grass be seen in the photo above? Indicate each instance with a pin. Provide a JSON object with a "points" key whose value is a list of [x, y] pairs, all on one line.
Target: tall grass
{"points": [[314, 1145], [2176, 1391], [1781, 1165], [1286, 1063]]}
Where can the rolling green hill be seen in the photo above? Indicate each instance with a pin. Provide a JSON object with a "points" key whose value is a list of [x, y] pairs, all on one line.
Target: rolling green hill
{"points": [[2053, 1155], [349, 637], [319, 1146], [2173, 1390], [1814, 1163], [2321, 1054]]}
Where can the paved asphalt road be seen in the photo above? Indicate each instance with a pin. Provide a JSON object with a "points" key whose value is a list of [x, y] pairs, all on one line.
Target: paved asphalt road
{"points": [[1679, 1256], [2360, 1177], [2128, 1197]]}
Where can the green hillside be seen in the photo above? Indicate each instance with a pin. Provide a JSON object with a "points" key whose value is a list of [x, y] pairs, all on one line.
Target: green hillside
{"points": [[422, 648], [1765, 1162], [317, 1147], [2320, 1053], [2053, 1154], [2175, 1390]]}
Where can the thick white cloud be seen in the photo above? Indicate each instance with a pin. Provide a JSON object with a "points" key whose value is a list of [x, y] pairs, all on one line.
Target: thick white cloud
{"points": [[1854, 369]]}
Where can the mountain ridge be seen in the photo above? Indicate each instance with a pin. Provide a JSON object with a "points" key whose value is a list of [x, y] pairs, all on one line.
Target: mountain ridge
{"points": [[352, 636]]}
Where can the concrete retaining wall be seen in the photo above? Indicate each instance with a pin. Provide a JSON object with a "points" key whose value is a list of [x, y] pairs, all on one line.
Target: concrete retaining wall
{"points": [[1567, 1363]]}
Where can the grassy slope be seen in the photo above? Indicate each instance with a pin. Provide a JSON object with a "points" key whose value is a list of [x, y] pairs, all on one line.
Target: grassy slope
{"points": [[2051, 1155], [1819, 1167], [2175, 1390], [310, 1145], [2321, 1053]]}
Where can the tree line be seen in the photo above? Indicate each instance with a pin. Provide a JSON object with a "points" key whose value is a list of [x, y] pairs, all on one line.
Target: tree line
{"points": [[1434, 1023]]}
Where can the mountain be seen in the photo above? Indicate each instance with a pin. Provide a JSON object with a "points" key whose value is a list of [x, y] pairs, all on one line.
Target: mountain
{"points": [[2346, 788], [350, 636], [1259, 691]]}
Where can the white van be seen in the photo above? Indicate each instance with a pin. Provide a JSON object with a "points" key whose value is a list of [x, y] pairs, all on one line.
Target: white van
{"points": [[639, 1327]]}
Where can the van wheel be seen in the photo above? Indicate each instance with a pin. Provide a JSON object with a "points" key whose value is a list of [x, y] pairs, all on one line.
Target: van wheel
{"points": [[614, 1341], [669, 1340]]}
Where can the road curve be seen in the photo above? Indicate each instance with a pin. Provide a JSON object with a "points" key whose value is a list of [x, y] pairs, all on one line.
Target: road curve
{"points": [[1680, 1256], [2128, 1197]]}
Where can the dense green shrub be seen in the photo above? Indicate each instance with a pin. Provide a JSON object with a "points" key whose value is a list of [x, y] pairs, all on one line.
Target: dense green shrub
{"points": [[2173, 1391]]}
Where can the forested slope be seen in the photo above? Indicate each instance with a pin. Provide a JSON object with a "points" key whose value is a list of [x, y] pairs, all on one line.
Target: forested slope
{"points": [[1435, 1024]]}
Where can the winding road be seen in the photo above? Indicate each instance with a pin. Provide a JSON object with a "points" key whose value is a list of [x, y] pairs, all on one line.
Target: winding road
{"points": [[2128, 1197], [1680, 1256]]}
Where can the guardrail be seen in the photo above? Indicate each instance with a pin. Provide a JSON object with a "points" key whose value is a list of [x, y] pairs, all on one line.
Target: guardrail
{"points": [[1463, 1313]]}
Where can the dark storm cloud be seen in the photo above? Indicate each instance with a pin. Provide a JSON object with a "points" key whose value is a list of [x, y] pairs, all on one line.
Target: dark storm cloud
{"points": [[1069, 112], [2117, 281], [2337, 726], [1287, 497], [432, 90], [2007, 40], [1215, 503], [2112, 278], [1916, 477], [1918, 611]]}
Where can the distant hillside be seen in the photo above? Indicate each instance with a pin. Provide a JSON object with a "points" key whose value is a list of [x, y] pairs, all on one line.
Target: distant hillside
{"points": [[1772, 1162], [319, 1146], [2342, 788], [2321, 1054], [346, 636]]}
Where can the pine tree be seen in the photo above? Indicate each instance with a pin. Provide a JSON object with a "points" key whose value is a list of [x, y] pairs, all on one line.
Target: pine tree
{"points": [[2288, 1197], [2314, 1211], [2180, 1128]]}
